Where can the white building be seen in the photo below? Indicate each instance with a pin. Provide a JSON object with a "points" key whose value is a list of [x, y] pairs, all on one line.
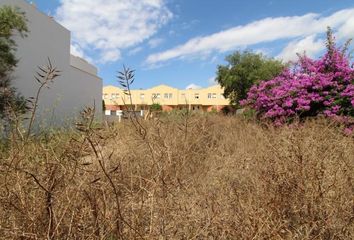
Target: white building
{"points": [[77, 87]]}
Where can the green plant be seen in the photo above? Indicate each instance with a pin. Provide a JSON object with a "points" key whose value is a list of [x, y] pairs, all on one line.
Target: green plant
{"points": [[11, 21], [156, 107], [243, 70], [214, 111]]}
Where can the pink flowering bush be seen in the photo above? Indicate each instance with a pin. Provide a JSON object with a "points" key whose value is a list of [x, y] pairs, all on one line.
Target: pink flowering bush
{"points": [[310, 88]]}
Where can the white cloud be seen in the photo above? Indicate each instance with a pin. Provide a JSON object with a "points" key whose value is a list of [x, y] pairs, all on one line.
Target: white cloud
{"points": [[265, 30], [263, 51], [110, 56], [153, 43], [214, 59], [135, 51], [346, 31], [76, 51], [108, 26], [193, 86], [308, 45], [212, 81]]}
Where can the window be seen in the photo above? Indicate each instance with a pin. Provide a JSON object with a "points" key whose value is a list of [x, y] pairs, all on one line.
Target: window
{"points": [[105, 96], [183, 95], [156, 96], [114, 95], [196, 95], [211, 95], [168, 95], [142, 96]]}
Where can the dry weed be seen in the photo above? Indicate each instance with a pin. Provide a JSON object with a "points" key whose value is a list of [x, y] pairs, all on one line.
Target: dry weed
{"points": [[201, 177]]}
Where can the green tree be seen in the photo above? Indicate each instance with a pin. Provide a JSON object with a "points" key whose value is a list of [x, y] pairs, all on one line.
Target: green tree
{"points": [[244, 69], [12, 21]]}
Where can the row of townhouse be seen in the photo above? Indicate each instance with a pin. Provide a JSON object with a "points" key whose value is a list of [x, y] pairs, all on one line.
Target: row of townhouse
{"points": [[205, 99]]}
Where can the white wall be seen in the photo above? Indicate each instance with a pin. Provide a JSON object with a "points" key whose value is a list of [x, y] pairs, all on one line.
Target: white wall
{"points": [[77, 87], [83, 65]]}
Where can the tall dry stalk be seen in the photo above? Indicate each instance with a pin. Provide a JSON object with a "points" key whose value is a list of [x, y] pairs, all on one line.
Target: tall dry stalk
{"points": [[44, 76]]}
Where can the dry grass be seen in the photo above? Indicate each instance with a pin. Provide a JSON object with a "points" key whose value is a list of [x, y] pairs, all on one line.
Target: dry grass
{"points": [[201, 177]]}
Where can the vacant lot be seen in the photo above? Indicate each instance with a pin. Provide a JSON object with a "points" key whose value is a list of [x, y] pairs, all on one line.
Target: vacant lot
{"points": [[180, 177]]}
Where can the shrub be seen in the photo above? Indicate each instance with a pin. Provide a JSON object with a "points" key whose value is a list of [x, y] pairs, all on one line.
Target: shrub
{"points": [[311, 88], [156, 107]]}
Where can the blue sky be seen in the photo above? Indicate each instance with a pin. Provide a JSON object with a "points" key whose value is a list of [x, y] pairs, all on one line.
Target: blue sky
{"points": [[181, 42]]}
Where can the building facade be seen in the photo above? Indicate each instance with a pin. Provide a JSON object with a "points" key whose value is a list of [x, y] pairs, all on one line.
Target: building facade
{"points": [[78, 85], [205, 99]]}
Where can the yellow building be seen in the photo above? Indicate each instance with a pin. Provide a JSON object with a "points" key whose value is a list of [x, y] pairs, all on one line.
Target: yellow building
{"points": [[205, 99]]}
